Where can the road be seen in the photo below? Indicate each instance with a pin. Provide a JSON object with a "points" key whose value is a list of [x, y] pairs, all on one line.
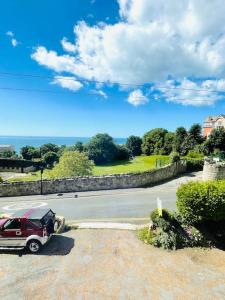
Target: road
{"points": [[128, 205]]}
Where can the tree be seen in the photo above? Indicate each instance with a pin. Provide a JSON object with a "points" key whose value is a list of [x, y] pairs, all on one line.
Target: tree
{"points": [[79, 146], [50, 158], [48, 148], [123, 153], [216, 140], [101, 149], [168, 142], [188, 144], [72, 163], [153, 141], [8, 154], [134, 143], [180, 135], [195, 132], [30, 152]]}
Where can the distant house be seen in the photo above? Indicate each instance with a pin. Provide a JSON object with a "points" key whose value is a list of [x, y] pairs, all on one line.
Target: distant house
{"points": [[212, 122], [6, 148]]}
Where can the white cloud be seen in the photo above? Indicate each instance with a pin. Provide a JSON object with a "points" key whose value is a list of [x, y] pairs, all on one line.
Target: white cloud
{"points": [[152, 40], [100, 93], [10, 33], [68, 83], [137, 98], [14, 42], [184, 92], [67, 46]]}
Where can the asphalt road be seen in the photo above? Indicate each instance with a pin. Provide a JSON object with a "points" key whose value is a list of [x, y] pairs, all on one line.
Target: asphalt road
{"points": [[128, 205]]}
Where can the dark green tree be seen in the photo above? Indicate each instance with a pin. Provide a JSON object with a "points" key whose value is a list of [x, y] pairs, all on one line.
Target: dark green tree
{"points": [[180, 135], [50, 159], [153, 141], [30, 152], [48, 148], [134, 143], [195, 132], [168, 142], [188, 144], [79, 146], [216, 140], [101, 149], [123, 153]]}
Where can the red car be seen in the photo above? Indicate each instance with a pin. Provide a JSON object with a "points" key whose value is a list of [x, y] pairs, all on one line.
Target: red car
{"points": [[27, 228]]}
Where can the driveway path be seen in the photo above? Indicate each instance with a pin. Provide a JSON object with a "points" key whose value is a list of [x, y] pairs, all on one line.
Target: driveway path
{"points": [[111, 265], [129, 205]]}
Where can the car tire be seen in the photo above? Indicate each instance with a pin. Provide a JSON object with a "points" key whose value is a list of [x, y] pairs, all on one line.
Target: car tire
{"points": [[34, 246]]}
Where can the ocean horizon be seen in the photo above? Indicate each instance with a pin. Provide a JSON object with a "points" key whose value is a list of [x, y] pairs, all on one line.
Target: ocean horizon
{"points": [[36, 141]]}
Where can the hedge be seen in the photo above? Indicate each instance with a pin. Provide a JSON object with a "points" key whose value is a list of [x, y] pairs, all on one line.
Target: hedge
{"points": [[202, 201], [18, 163], [194, 164]]}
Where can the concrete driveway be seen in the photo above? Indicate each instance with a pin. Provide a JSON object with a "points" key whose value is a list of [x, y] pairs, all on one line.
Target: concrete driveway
{"points": [[128, 205], [111, 264]]}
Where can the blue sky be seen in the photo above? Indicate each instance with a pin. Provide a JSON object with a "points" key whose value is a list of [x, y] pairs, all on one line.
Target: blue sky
{"points": [[149, 57]]}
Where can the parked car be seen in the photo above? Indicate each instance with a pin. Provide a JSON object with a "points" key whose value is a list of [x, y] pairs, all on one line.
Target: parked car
{"points": [[27, 228]]}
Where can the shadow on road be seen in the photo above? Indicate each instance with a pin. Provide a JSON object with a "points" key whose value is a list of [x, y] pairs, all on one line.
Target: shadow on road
{"points": [[58, 245]]}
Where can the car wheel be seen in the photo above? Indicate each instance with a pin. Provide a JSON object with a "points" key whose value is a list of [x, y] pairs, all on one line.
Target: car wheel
{"points": [[34, 246]]}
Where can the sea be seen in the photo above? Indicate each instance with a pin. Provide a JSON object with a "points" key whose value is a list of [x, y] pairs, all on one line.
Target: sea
{"points": [[36, 141]]}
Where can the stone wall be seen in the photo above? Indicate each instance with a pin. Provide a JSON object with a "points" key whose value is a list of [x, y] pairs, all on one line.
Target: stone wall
{"points": [[92, 183], [213, 170]]}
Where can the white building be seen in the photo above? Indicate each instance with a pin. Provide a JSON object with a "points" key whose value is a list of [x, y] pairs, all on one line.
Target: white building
{"points": [[6, 148]]}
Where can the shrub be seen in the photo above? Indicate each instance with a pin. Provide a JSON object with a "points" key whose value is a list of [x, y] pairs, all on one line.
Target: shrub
{"points": [[165, 240], [195, 155], [194, 164], [146, 235], [1, 180], [202, 201], [166, 215], [174, 157]]}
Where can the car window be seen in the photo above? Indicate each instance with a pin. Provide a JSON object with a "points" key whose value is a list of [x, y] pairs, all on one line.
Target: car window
{"points": [[13, 224], [29, 225]]}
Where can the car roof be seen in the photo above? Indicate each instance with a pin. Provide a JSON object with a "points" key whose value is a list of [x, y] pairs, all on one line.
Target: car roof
{"points": [[33, 213]]}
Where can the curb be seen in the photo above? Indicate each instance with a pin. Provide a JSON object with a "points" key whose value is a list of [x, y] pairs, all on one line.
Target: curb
{"points": [[106, 225]]}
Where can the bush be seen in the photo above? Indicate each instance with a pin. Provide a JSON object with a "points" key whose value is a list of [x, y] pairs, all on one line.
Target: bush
{"points": [[202, 201], [174, 157], [1, 180], [194, 164], [165, 240], [195, 155], [146, 235]]}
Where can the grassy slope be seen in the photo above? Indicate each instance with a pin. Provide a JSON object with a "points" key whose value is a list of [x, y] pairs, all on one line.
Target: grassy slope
{"points": [[139, 164]]}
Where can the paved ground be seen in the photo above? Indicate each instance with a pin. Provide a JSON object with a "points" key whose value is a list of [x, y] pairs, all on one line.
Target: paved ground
{"points": [[111, 264], [130, 205], [8, 175]]}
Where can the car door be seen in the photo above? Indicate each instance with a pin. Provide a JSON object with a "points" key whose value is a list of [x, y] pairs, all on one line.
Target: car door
{"points": [[12, 234]]}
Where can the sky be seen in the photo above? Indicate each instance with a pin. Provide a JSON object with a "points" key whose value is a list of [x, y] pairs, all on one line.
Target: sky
{"points": [[80, 67]]}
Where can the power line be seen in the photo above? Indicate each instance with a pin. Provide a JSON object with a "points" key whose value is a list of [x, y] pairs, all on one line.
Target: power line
{"points": [[73, 92], [105, 82]]}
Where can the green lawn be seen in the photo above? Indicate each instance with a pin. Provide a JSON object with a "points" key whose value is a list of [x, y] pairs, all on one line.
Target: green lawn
{"points": [[139, 164]]}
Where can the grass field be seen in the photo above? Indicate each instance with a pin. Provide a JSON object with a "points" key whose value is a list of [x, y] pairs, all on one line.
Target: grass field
{"points": [[139, 164]]}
